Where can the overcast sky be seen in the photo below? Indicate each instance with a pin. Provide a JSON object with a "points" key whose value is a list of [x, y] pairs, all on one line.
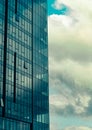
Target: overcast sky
{"points": [[70, 59]]}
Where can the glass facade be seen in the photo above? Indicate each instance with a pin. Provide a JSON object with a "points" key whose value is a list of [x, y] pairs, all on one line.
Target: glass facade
{"points": [[24, 93]]}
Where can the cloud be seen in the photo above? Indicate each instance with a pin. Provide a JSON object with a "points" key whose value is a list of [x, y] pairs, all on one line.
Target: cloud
{"points": [[89, 109], [73, 87], [70, 45], [77, 128], [71, 73], [72, 42], [66, 35], [64, 9], [82, 7], [66, 111]]}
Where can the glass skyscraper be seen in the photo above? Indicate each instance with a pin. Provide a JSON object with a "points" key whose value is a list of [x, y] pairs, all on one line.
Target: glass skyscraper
{"points": [[24, 93]]}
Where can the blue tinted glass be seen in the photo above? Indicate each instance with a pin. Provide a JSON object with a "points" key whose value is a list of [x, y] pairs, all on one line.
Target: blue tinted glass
{"points": [[24, 65]]}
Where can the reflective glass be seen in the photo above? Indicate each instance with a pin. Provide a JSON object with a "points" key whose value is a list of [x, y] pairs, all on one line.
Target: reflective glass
{"points": [[26, 93]]}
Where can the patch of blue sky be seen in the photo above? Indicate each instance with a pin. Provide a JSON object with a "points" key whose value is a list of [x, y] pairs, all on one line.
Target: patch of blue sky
{"points": [[64, 10], [51, 9], [75, 121], [69, 121]]}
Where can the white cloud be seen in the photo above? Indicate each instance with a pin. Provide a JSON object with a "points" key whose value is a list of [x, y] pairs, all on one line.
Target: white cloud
{"points": [[81, 7], [73, 87], [77, 128], [70, 45], [71, 42], [72, 73]]}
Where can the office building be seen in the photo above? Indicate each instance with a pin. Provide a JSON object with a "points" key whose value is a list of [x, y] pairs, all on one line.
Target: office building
{"points": [[24, 93]]}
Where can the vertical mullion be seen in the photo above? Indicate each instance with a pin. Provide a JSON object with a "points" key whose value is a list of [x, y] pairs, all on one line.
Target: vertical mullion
{"points": [[16, 6], [14, 77], [5, 56], [32, 71]]}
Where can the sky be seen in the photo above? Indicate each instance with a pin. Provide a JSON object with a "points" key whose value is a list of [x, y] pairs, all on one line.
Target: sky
{"points": [[70, 64]]}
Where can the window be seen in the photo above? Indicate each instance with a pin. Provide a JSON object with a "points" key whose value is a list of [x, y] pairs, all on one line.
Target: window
{"points": [[1, 103]]}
